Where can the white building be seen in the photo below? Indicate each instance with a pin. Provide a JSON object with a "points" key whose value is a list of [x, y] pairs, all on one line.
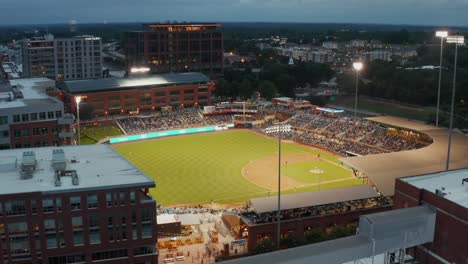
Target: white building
{"points": [[358, 43], [384, 55], [63, 58], [330, 45]]}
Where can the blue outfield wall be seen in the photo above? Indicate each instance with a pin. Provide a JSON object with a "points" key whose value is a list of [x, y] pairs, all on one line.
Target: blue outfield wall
{"points": [[165, 134]]}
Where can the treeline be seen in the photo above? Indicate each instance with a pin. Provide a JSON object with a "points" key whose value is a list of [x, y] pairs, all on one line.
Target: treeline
{"points": [[311, 236], [273, 79], [390, 80]]}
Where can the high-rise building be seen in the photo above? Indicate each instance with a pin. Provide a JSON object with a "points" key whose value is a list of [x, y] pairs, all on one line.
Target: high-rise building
{"points": [[62, 58], [31, 118], [182, 47], [76, 204]]}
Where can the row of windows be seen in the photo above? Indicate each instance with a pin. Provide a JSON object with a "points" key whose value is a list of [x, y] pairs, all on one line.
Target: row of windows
{"points": [[36, 116], [36, 144], [36, 131], [101, 255]]}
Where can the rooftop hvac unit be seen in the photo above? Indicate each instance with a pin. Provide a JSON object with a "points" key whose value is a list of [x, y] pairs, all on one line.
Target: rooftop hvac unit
{"points": [[28, 164], [58, 160]]}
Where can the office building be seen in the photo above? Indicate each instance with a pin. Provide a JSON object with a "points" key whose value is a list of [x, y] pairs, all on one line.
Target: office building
{"points": [[76, 204], [62, 58], [31, 118], [181, 47]]}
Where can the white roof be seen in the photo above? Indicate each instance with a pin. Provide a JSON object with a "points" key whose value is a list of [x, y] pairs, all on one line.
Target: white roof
{"points": [[99, 167], [450, 181], [32, 89], [189, 219], [166, 219]]}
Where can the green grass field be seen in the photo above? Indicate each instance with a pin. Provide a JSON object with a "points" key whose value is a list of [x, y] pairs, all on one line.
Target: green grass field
{"points": [[302, 171], [196, 169], [92, 134]]}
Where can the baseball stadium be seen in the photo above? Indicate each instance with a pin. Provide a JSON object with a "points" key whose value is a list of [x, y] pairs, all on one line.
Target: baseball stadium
{"points": [[222, 155]]}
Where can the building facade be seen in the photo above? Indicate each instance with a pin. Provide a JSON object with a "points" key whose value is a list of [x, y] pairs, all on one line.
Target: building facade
{"points": [[121, 96], [31, 118], [63, 58], [70, 209], [446, 193], [181, 47]]}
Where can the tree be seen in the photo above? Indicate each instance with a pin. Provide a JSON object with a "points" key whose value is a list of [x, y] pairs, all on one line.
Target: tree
{"points": [[267, 89], [286, 84], [291, 241], [315, 235], [264, 246]]}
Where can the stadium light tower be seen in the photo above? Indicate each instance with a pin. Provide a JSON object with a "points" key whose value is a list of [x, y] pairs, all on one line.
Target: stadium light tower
{"points": [[456, 39], [278, 129], [357, 66], [77, 101], [441, 35]]}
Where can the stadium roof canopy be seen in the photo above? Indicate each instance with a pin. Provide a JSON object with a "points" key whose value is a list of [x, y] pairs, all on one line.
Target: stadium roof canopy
{"points": [[384, 169], [125, 83], [308, 199]]}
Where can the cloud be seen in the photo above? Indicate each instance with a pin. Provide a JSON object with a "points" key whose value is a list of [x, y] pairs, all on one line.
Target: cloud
{"points": [[443, 12]]}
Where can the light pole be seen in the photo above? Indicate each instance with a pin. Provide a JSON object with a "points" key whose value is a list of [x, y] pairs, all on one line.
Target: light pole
{"points": [[457, 39], [441, 35], [77, 101], [278, 129], [357, 66]]}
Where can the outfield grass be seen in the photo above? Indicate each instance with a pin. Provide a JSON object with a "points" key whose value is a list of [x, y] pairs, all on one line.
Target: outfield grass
{"points": [[197, 169], [92, 134]]}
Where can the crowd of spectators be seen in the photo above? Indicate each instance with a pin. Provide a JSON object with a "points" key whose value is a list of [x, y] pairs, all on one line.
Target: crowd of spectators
{"points": [[345, 135]]}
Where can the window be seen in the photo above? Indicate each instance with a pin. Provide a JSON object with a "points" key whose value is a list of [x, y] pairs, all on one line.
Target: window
{"points": [[109, 254], [79, 258], [16, 118], [58, 204], [94, 236], [146, 230], [50, 115], [75, 203], [17, 133], [77, 222], [25, 132], [3, 120], [161, 94], [4, 133], [132, 197], [42, 115], [33, 116], [92, 201], [122, 198], [58, 114], [15, 207], [145, 250], [49, 225], [78, 238], [174, 92], [109, 199], [25, 117], [17, 228], [51, 240], [36, 131]]}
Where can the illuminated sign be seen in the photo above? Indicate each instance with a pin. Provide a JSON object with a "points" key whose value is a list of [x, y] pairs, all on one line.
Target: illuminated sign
{"points": [[164, 134], [141, 69]]}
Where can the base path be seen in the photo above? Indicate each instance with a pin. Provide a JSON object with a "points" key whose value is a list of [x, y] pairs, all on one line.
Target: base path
{"points": [[264, 172]]}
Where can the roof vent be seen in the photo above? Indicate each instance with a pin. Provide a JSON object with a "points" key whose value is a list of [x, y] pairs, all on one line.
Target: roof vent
{"points": [[71, 173], [440, 192], [58, 160], [28, 164]]}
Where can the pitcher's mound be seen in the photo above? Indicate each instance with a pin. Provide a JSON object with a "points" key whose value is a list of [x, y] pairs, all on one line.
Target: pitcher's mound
{"points": [[316, 171]]}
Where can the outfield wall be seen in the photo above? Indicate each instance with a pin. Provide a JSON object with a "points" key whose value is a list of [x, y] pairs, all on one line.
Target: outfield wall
{"points": [[168, 133]]}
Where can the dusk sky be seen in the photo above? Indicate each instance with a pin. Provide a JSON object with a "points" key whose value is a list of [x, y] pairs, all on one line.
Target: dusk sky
{"points": [[418, 12]]}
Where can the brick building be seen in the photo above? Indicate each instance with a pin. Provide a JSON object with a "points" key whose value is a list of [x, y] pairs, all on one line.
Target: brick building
{"points": [[181, 47], [115, 96], [304, 211], [31, 118], [447, 193], [76, 204]]}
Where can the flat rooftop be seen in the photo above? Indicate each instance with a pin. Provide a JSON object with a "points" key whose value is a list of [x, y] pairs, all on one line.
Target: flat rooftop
{"points": [[126, 83], [98, 167], [32, 89], [449, 182], [308, 199]]}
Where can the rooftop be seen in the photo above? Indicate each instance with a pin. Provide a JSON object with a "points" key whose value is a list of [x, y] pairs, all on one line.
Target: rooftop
{"points": [[97, 167], [449, 183], [308, 199], [33, 91], [125, 83]]}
